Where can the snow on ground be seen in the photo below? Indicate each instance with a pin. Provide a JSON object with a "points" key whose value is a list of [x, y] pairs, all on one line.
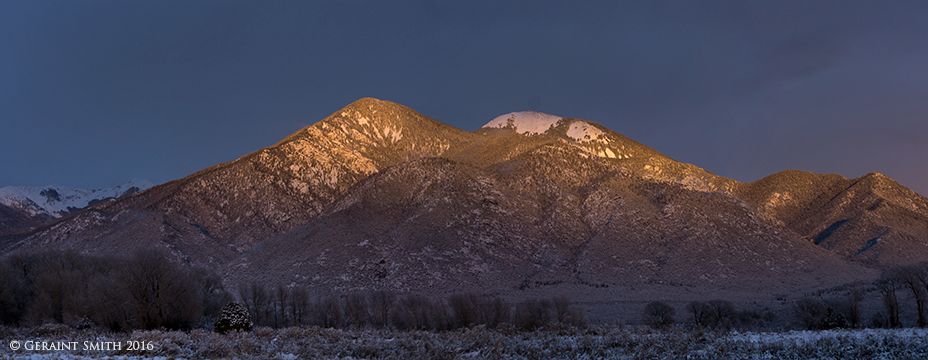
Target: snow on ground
{"points": [[525, 122], [505, 342], [56, 200]]}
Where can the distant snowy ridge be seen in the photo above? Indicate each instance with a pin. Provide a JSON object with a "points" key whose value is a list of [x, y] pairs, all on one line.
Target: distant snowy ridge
{"points": [[57, 201], [525, 122]]}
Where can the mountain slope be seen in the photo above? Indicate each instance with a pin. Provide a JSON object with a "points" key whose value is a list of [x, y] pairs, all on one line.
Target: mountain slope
{"points": [[872, 219], [549, 218]]}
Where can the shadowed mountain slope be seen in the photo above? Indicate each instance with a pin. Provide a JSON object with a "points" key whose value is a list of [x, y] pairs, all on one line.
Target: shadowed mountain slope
{"points": [[13, 221], [872, 219]]}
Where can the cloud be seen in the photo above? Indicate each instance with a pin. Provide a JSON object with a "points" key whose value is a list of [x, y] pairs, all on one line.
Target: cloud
{"points": [[801, 57], [794, 58]]}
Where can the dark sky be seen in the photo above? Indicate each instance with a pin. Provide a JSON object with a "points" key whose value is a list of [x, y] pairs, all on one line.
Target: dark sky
{"points": [[96, 93]]}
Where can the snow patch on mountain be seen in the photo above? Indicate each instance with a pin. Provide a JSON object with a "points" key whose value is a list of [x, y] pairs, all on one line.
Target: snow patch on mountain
{"points": [[583, 131], [525, 122], [57, 201]]}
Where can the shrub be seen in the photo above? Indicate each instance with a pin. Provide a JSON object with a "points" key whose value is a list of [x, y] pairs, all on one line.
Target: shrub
{"points": [[722, 314], [234, 316], [658, 315], [833, 319], [810, 313], [567, 314]]}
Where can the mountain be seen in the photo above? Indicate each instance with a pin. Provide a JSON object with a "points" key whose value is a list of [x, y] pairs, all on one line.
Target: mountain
{"points": [[871, 219], [446, 226], [24, 208], [211, 216], [378, 196]]}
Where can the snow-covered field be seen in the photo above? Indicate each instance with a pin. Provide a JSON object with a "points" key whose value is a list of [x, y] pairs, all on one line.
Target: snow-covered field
{"points": [[474, 343]]}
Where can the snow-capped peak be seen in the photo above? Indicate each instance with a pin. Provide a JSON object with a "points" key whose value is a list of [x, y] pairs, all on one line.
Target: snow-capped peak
{"points": [[525, 122], [57, 201]]}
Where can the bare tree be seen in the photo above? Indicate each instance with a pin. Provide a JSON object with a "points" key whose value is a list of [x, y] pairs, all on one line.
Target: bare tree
{"points": [[700, 312], [715, 314], [810, 313], [465, 309], [282, 297], [299, 304], [658, 315], [565, 313], [417, 312], [723, 314], [357, 311], [562, 309], [381, 302], [329, 313], [210, 289], [108, 307], [920, 273], [888, 284], [852, 307], [255, 297], [911, 278], [161, 292]]}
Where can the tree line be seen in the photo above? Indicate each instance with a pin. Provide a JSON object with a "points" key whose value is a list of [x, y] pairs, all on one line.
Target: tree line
{"points": [[281, 306], [713, 314], [149, 291], [894, 286], [143, 291]]}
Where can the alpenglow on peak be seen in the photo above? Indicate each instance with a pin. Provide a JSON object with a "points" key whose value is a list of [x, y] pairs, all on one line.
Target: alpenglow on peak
{"points": [[525, 122]]}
